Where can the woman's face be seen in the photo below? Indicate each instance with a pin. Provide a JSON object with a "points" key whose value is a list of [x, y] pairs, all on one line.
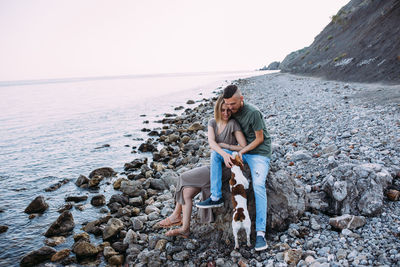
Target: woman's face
{"points": [[225, 112]]}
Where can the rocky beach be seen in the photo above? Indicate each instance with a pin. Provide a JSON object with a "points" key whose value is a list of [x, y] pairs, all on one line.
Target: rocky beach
{"points": [[333, 186]]}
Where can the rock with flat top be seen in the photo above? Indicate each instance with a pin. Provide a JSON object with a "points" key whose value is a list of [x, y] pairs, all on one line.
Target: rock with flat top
{"points": [[104, 172]]}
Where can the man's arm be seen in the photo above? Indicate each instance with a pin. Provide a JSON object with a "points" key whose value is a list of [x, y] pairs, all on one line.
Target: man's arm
{"points": [[259, 140]]}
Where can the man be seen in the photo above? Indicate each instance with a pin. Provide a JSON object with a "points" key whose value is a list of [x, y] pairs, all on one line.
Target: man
{"points": [[256, 154]]}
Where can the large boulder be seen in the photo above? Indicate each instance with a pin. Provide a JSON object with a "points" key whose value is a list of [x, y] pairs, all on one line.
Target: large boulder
{"points": [[37, 256], [38, 205], [62, 226], [286, 200], [356, 189]]}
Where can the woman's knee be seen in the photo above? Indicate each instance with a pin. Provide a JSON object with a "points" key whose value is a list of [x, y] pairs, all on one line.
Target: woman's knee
{"points": [[189, 193], [187, 199]]}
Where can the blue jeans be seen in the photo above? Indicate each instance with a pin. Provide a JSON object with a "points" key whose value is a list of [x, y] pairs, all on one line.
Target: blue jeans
{"points": [[259, 167]]}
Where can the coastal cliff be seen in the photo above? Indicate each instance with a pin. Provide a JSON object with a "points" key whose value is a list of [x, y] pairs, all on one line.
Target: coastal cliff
{"points": [[360, 44]]}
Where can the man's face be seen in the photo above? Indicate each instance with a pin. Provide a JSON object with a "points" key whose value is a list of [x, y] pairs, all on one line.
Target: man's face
{"points": [[234, 103]]}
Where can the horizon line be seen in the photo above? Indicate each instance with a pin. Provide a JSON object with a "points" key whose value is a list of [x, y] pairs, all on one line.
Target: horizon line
{"points": [[111, 77]]}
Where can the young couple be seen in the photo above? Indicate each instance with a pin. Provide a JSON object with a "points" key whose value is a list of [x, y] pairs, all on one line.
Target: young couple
{"points": [[237, 126]]}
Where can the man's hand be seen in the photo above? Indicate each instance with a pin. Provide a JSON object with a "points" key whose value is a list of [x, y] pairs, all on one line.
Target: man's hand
{"points": [[228, 160], [240, 153]]}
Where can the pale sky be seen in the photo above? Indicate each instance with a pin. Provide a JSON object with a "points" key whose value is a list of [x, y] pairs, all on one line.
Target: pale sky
{"points": [[43, 39]]}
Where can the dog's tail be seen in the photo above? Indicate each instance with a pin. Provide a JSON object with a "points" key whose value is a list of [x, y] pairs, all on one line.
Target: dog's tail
{"points": [[239, 215]]}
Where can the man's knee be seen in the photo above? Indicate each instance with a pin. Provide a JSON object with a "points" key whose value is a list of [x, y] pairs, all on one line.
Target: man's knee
{"points": [[259, 178]]}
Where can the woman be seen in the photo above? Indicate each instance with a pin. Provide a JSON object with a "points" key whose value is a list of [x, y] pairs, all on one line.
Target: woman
{"points": [[223, 132]]}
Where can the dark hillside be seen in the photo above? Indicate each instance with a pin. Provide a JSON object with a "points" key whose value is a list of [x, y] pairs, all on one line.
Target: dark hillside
{"points": [[360, 44]]}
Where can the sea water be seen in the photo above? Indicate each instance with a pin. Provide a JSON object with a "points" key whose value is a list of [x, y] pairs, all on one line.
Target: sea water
{"points": [[52, 130]]}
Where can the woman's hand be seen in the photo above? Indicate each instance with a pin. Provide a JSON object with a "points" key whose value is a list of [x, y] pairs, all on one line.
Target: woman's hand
{"points": [[227, 160]]}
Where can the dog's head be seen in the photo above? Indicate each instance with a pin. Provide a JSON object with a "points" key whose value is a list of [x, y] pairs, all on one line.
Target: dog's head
{"points": [[237, 161]]}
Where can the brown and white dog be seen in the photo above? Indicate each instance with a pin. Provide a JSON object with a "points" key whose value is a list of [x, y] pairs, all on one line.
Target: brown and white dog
{"points": [[238, 184]]}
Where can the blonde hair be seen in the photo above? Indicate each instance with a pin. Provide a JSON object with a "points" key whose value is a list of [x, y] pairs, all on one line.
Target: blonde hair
{"points": [[217, 109]]}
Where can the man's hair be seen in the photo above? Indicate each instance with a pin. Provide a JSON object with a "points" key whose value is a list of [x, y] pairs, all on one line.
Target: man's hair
{"points": [[229, 91]]}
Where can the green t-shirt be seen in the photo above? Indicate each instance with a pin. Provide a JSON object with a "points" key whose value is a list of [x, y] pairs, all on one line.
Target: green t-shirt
{"points": [[251, 119]]}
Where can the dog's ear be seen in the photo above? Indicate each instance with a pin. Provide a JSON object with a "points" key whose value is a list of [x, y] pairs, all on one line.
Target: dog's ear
{"points": [[232, 181], [234, 202]]}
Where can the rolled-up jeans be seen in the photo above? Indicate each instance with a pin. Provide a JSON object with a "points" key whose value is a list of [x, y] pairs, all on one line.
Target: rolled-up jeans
{"points": [[259, 167]]}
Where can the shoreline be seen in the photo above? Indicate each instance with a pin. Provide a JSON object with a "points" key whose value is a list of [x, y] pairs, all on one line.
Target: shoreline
{"points": [[150, 194]]}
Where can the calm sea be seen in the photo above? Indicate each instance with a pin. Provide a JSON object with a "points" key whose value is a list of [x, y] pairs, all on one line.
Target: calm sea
{"points": [[50, 129]]}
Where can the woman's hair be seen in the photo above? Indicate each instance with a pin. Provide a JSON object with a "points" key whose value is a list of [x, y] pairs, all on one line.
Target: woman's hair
{"points": [[217, 108]]}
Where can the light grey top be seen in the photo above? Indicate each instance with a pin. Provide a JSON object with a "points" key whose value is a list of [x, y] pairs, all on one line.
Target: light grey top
{"points": [[227, 136]]}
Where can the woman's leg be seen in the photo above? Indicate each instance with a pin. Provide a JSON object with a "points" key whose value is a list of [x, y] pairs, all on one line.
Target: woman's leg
{"points": [[176, 214], [188, 194], [174, 218]]}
